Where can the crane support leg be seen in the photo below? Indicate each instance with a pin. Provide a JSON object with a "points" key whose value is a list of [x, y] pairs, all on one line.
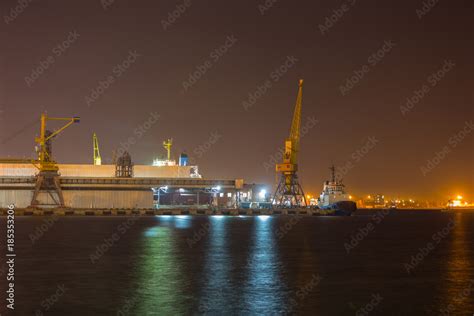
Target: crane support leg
{"points": [[47, 182], [289, 192]]}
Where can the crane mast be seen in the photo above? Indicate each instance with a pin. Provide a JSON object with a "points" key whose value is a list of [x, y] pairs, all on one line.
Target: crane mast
{"points": [[95, 143], [289, 192]]}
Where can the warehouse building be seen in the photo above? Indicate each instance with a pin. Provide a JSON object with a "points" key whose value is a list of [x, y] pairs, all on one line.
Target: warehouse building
{"points": [[97, 186]]}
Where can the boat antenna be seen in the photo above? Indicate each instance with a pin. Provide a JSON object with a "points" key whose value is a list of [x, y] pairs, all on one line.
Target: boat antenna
{"points": [[333, 173]]}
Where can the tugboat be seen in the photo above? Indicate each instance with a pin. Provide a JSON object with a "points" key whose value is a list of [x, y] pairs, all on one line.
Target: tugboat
{"points": [[334, 200]]}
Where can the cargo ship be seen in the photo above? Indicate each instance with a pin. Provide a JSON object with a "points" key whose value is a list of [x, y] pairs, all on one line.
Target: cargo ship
{"points": [[333, 199]]}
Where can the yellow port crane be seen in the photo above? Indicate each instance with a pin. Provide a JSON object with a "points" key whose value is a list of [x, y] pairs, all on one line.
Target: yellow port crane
{"points": [[45, 159], [167, 145], [95, 144], [47, 179], [289, 192]]}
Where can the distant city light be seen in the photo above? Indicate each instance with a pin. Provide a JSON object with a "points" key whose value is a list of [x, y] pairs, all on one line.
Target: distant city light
{"points": [[456, 203], [459, 197], [262, 193]]}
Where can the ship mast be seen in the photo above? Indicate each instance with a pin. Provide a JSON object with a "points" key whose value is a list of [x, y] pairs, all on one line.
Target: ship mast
{"points": [[333, 173]]}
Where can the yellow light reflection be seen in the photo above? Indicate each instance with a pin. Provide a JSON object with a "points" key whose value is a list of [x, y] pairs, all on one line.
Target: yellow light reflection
{"points": [[459, 273]]}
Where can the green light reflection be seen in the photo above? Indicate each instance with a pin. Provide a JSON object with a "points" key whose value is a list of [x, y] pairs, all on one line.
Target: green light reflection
{"points": [[158, 288]]}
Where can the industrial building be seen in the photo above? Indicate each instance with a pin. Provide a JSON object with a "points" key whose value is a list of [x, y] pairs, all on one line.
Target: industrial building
{"points": [[96, 186], [43, 183]]}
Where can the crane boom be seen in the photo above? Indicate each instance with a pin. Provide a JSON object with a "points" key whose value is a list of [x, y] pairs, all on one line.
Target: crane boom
{"points": [[296, 125], [95, 144], [45, 160]]}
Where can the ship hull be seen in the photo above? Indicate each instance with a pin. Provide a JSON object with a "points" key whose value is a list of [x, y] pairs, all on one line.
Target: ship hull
{"points": [[341, 208]]}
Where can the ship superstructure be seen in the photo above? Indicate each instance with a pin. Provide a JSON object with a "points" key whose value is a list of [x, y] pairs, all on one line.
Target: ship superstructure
{"points": [[334, 198]]}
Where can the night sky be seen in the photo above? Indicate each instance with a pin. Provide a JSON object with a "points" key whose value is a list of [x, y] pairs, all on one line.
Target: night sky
{"points": [[385, 143]]}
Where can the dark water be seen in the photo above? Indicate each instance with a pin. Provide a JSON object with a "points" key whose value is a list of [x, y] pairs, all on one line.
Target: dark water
{"points": [[245, 265]]}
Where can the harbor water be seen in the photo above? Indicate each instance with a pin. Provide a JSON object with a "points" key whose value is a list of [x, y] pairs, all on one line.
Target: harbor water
{"points": [[372, 263]]}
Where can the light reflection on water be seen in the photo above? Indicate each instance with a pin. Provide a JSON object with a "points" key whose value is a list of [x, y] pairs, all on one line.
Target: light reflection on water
{"points": [[217, 266], [260, 289], [264, 290], [175, 221], [158, 271], [458, 286], [236, 266]]}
